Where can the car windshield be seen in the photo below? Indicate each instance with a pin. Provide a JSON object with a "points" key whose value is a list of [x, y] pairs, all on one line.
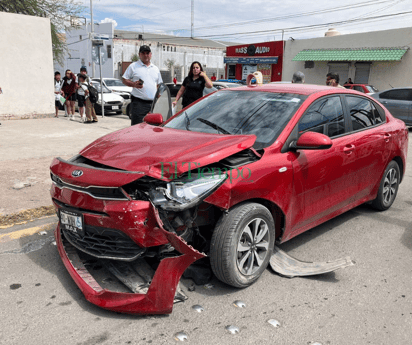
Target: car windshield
{"points": [[113, 82], [97, 86], [263, 114], [372, 88]]}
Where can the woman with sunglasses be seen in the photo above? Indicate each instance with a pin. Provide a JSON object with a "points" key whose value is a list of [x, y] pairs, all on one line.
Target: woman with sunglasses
{"points": [[193, 85]]}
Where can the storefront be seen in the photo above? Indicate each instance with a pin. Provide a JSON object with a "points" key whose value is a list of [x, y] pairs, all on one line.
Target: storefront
{"points": [[264, 57]]}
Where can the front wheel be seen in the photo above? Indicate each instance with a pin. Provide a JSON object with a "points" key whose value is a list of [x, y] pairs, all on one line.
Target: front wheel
{"points": [[388, 187], [242, 244]]}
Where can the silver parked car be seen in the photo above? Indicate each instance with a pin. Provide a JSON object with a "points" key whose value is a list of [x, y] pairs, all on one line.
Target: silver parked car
{"points": [[398, 101]]}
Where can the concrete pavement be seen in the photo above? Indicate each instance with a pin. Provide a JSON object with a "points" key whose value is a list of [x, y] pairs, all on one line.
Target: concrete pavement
{"points": [[27, 148]]}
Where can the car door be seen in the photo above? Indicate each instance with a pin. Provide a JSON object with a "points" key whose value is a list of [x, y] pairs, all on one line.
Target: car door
{"points": [[398, 102], [321, 177], [372, 144], [162, 103]]}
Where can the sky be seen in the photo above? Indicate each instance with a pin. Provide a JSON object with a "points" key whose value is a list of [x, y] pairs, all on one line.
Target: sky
{"points": [[251, 21]]}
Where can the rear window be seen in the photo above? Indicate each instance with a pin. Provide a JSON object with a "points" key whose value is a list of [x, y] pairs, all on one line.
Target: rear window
{"points": [[398, 94]]}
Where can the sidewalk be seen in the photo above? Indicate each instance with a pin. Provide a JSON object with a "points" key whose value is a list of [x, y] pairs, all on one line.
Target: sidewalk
{"points": [[27, 148]]}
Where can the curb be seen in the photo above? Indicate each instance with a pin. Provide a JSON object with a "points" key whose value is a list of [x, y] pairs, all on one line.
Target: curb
{"points": [[25, 116]]}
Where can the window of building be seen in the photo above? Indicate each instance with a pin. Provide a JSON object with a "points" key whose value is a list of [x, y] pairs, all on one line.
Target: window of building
{"points": [[363, 113], [231, 71], [362, 72], [164, 48], [175, 49], [109, 51], [324, 116], [167, 48]]}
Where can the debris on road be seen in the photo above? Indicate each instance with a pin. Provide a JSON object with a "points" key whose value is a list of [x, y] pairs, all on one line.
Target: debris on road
{"points": [[180, 336], [232, 329], [26, 215], [290, 267], [274, 323], [239, 304], [198, 308]]}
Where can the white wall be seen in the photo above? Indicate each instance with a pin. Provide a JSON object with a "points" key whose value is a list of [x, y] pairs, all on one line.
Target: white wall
{"points": [[80, 50], [383, 74], [26, 66]]}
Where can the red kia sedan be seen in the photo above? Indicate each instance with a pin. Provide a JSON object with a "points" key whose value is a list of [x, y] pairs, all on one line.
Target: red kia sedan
{"points": [[227, 177]]}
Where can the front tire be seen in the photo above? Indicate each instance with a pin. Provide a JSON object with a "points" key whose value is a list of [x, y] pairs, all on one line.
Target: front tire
{"points": [[242, 244], [388, 187]]}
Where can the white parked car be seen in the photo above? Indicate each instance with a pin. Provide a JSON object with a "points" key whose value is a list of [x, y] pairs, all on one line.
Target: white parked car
{"points": [[112, 101], [116, 86]]}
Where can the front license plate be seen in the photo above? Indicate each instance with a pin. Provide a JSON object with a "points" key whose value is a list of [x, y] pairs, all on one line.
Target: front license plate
{"points": [[115, 107], [71, 221]]}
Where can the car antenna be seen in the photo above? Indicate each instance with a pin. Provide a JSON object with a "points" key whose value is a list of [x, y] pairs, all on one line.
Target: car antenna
{"points": [[390, 85]]}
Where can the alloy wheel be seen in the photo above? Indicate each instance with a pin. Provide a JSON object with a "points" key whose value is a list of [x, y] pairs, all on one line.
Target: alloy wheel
{"points": [[253, 246], [389, 186]]}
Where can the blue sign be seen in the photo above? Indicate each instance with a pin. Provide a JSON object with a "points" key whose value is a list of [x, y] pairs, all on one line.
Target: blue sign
{"points": [[251, 60]]}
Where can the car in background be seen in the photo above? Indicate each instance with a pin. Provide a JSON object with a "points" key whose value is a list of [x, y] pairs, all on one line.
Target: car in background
{"points": [[113, 102], [364, 88], [227, 177], [126, 108], [398, 101], [116, 86], [224, 85]]}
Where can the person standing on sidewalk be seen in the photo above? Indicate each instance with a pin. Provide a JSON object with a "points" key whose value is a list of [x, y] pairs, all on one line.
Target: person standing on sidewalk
{"points": [[144, 77], [80, 93], [57, 91], [193, 85], [69, 88], [90, 112]]}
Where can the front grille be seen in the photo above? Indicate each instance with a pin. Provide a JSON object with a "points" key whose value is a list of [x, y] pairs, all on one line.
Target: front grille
{"points": [[105, 243], [105, 193], [113, 102]]}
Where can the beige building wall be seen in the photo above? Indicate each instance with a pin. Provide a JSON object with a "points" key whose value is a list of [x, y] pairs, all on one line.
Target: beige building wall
{"points": [[26, 66], [383, 74]]}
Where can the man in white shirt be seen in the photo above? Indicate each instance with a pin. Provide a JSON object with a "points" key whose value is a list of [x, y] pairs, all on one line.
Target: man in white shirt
{"points": [[81, 95], [57, 92], [144, 77]]}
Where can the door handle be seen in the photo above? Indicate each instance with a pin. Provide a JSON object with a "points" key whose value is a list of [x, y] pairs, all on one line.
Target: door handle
{"points": [[384, 102], [387, 137], [349, 148]]}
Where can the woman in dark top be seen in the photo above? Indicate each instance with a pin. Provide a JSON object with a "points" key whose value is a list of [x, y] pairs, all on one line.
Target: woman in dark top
{"points": [[69, 88], [193, 85]]}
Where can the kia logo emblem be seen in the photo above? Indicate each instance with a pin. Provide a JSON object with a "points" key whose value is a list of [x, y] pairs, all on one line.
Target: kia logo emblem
{"points": [[77, 173]]}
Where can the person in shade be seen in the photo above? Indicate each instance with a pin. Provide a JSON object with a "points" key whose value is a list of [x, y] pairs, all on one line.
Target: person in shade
{"points": [[69, 88], [193, 85]]}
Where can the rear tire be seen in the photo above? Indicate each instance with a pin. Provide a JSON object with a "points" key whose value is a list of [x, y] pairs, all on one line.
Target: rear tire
{"points": [[242, 244], [388, 188]]}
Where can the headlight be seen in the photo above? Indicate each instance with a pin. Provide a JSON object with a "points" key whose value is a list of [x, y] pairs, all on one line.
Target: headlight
{"points": [[186, 193]]}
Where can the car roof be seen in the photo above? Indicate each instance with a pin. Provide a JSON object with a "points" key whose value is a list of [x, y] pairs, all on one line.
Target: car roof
{"points": [[301, 89]]}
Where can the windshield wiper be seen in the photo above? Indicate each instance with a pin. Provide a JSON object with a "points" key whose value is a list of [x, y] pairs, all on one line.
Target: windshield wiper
{"points": [[213, 125], [187, 122]]}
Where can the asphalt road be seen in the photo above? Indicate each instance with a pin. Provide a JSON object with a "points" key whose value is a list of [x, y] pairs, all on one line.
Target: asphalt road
{"points": [[368, 303]]}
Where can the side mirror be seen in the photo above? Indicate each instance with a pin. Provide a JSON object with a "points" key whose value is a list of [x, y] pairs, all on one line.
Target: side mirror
{"points": [[312, 141], [153, 119]]}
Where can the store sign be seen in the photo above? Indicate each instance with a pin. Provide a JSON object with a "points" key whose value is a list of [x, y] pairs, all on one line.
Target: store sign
{"points": [[266, 71], [253, 61], [247, 69], [252, 50]]}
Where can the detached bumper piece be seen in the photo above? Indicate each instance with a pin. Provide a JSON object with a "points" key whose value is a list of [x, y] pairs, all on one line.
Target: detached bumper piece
{"points": [[286, 266], [142, 290]]}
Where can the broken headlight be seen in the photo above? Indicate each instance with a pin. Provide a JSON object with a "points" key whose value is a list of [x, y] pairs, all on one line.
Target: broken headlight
{"points": [[186, 192]]}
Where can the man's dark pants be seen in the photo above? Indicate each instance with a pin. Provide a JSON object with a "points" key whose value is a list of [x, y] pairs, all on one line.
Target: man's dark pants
{"points": [[140, 108]]}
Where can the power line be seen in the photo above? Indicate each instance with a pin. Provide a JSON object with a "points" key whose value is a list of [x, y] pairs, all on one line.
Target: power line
{"points": [[292, 16], [298, 28]]}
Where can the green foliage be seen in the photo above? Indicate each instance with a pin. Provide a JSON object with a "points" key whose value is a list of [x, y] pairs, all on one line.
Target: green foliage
{"points": [[59, 12], [134, 58], [170, 63]]}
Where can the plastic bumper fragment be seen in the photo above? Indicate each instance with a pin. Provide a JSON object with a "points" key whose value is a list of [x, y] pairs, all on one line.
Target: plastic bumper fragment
{"points": [[287, 266], [161, 292]]}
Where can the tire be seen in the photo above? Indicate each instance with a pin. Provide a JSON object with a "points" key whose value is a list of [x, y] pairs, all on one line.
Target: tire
{"points": [[118, 112], [388, 187], [233, 253]]}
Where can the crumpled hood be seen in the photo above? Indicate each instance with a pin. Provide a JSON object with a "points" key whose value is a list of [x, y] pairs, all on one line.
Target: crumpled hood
{"points": [[162, 152]]}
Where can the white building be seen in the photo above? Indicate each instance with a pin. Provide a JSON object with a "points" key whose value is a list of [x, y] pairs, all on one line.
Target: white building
{"points": [[122, 45], [380, 58]]}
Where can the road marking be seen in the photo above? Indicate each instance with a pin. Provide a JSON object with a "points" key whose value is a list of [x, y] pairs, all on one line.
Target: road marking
{"points": [[25, 232]]}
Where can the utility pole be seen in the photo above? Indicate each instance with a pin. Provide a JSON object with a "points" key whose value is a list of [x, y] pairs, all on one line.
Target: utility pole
{"points": [[92, 34], [192, 28]]}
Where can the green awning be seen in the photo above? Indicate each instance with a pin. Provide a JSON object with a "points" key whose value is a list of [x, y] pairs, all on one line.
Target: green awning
{"points": [[364, 54]]}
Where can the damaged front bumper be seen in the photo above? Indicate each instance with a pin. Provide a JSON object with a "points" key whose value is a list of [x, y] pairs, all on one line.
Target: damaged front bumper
{"points": [[161, 292]]}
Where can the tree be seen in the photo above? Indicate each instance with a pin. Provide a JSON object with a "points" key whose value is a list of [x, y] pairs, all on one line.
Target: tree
{"points": [[135, 58], [59, 12], [170, 63]]}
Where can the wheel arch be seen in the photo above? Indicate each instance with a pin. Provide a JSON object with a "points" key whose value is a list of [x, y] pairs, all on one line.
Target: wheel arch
{"points": [[278, 215], [400, 163]]}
